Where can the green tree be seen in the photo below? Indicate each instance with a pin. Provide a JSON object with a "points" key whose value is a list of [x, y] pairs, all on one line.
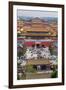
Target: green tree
{"points": [[54, 74]]}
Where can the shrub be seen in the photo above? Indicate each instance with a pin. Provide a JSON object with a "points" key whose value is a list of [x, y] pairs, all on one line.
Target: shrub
{"points": [[54, 74], [30, 69]]}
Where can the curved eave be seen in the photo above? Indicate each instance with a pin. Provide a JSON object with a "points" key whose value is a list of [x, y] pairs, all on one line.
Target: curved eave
{"points": [[37, 35]]}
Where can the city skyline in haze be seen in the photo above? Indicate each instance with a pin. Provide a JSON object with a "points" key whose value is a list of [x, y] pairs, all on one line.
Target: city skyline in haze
{"points": [[36, 13]]}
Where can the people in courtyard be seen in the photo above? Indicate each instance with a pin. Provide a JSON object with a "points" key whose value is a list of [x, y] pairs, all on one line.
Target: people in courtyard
{"points": [[37, 52]]}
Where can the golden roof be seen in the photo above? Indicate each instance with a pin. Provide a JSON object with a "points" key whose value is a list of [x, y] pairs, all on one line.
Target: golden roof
{"points": [[38, 61], [37, 25]]}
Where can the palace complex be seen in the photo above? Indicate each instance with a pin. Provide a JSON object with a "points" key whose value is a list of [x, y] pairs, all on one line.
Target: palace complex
{"points": [[39, 38]]}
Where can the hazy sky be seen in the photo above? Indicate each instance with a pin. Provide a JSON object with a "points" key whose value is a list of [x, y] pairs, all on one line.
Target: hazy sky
{"points": [[36, 13]]}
